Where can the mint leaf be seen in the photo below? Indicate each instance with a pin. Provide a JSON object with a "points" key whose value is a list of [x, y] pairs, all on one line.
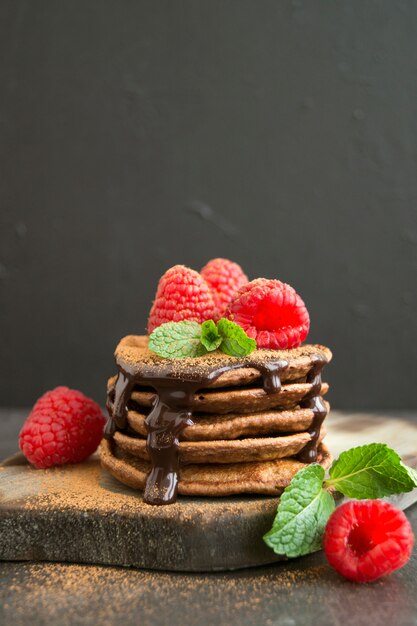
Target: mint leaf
{"points": [[235, 340], [210, 337], [370, 471], [302, 514], [177, 340]]}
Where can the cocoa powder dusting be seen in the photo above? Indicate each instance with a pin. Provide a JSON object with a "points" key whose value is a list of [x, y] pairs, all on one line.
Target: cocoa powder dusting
{"points": [[87, 487], [82, 594]]}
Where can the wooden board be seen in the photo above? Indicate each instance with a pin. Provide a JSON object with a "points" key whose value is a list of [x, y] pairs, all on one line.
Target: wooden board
{"points": [[81, 514]]}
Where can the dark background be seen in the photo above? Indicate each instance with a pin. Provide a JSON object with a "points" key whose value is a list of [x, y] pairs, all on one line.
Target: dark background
{"points": [[136, 135]]}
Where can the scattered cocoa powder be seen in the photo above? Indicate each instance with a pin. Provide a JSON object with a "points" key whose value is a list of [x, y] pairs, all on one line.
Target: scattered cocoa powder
{"points": [[66, 594]]}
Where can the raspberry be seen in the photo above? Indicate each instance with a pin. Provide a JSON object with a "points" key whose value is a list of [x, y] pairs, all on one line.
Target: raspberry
{"points": [[64, 426], [224, 278], [182, 294], [366, 539], [271, 312]]}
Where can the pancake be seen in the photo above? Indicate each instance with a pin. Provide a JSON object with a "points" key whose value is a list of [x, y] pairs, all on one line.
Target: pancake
{"points": [[213, 426], [227, 451], [268, 477], [132, 355], [230, 400], [243, 400]]}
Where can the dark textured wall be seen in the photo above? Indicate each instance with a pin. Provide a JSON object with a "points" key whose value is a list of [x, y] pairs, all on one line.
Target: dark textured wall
{"points": [[136, 135]]}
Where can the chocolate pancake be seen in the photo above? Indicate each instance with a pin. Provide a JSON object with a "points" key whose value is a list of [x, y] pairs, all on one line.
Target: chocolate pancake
{"points": [[227, 451], [231, 400], [268, 477], [242, 399], [207, 426], [132, 355]]}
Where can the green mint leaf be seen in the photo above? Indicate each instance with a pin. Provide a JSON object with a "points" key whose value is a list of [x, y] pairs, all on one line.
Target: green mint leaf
{"points": [[210, 337], [370, 471], [177, 340], [302, 514], [235, 340]]}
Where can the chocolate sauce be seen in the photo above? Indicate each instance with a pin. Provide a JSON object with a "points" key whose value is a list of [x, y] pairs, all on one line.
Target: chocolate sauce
{"points": [[170, 414], [314, 401], [117, 409]]}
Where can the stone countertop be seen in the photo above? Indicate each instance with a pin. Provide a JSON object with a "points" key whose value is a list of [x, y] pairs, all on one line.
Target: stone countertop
{"points": [[303, 591]]}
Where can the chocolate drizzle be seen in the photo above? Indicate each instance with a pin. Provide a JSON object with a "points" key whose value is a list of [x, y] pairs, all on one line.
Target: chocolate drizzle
{"points": [[170, 414], [314, 401], [117, 409]]}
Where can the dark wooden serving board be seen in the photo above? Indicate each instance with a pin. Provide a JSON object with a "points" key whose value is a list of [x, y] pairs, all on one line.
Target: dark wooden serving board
{"points": [[81, 514]]}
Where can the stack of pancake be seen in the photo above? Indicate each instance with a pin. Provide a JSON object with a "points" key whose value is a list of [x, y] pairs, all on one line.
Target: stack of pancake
{"points": [[241, 436]]}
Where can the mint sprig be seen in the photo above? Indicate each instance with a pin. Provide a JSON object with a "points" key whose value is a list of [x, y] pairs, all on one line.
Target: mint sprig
{"points": [[370, 471], [177, 340]]}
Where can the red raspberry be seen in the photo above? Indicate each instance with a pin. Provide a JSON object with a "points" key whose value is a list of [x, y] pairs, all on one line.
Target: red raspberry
{"points": [[366, 539], [64, 426], [270, 312], [224, 278], [182, 294]]}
